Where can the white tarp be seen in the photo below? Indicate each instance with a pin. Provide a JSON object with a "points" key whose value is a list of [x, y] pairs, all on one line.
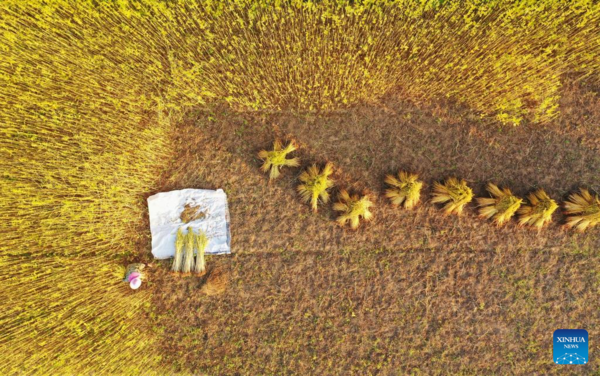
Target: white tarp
{"points": [[165, 209]]}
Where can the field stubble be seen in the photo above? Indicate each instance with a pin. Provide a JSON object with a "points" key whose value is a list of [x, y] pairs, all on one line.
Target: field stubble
{"points": [[411, 291]]}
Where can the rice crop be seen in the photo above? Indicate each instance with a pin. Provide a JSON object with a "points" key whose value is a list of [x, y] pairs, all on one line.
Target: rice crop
{"points": [[501, 206], [274, 160], [180, 242], [582, 210], [201, 241], [315, 183], [83, 135], [404, 190], [353, 208], [188, 254], [503, 59], [89, 91], [454, 194], [538, 211]]}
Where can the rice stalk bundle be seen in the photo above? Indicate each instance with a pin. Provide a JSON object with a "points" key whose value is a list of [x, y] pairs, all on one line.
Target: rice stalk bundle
{"points": [[404, 190], [538, 212], [201, 243], [353, 208], [274, 159], [180, 239], [188, 253], [315, 184], [501, 207], [454, 193], [582, 210]]}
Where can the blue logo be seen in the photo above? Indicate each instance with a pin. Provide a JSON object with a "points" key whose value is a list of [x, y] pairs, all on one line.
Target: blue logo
{"points": [[571, 346]]}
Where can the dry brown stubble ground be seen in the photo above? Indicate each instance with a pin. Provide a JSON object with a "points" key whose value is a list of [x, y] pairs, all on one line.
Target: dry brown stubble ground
{"points": [[412, 292]]}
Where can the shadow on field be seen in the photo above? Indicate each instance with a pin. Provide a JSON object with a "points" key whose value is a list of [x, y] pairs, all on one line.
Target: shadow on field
{"points": [[217, 149]]}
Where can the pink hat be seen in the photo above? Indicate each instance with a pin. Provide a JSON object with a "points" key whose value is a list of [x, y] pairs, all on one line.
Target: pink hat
{"points": [[135, 283]]}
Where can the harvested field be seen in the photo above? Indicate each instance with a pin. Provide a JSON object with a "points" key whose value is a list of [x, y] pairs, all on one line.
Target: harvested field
{"points": [[412, 292]]}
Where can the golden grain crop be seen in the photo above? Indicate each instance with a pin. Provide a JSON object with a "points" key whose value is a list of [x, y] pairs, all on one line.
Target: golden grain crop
{"points": [[315, 183], [274, 160], [538, 211], [404, 190], [353, 208], [582, 210], [201, 241], [453, 193], [88, 89], [82, 136], [501, 206]]}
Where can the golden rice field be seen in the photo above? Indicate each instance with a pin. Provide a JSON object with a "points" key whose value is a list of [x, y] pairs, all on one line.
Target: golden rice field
{"points": [[92, 92]]}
